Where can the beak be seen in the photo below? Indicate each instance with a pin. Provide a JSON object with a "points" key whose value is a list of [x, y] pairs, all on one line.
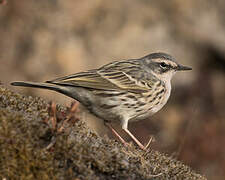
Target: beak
{"points": [[182, 68]]}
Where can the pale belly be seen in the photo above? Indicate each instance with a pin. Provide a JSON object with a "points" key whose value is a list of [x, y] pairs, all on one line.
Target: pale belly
{"points": [[122, 106]]}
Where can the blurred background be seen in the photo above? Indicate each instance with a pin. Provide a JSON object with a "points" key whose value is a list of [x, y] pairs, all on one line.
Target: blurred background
{"points": [[45, 39]]}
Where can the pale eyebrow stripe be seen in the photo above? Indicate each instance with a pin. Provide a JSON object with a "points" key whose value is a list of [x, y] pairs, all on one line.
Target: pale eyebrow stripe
{"points": [[158, 60]]}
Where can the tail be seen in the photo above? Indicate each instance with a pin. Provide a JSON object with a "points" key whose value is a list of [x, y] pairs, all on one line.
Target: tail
{"points": [[59, 88], [74, 92], [36, 85]]}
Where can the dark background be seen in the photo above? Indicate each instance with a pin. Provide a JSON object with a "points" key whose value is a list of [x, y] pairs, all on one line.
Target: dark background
{"points": [[41, 40]]}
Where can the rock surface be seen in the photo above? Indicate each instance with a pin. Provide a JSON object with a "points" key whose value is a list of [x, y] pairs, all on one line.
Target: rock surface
{"points": [[77, 152]]}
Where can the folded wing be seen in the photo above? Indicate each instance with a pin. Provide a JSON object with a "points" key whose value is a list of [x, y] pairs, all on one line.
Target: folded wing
{"points": [[109, 77]]}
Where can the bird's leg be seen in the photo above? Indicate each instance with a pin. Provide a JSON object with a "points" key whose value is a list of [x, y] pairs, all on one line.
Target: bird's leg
{"points": [[124, 127], [135, 139], [149, 142], [115, 133]]}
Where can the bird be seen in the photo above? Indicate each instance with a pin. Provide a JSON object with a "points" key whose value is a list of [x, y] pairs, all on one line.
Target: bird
{"points": [[121, 91]]}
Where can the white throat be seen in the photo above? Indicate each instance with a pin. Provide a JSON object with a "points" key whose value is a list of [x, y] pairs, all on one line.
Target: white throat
{"points": [[166, 78]]}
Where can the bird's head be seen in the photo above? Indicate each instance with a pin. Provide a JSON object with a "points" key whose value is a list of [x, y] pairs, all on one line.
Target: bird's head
{"points": [[162, 65]]}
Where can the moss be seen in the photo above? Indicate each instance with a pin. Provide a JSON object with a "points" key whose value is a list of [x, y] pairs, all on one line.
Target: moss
{"points": [[77, 153]]}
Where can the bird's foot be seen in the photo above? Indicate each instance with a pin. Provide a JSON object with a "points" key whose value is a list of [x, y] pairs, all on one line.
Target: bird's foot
{"points": [[147, 146]]}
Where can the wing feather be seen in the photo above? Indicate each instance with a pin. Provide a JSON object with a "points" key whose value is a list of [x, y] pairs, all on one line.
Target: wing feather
{"points": [[114, 76], [88, 79]]}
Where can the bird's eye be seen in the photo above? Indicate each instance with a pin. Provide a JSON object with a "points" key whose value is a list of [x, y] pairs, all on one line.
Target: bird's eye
{"points": [[163, 65]]}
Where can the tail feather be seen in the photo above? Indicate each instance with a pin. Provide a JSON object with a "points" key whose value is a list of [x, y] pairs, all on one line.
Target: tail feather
{"points": [[72, 91], [36, 85]]}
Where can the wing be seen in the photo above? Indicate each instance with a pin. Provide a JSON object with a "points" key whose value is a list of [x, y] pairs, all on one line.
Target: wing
{"points": [[119, 75], [88, 79]]}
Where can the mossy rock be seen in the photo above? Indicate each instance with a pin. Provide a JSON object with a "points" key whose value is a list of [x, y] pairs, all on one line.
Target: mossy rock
{"points": [[78, 153]]}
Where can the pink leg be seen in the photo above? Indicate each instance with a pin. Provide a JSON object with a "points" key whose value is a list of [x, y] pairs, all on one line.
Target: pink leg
{"points": [[149, 142], [116, 134], [138, 142], [135, 139], [125, 128]]}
